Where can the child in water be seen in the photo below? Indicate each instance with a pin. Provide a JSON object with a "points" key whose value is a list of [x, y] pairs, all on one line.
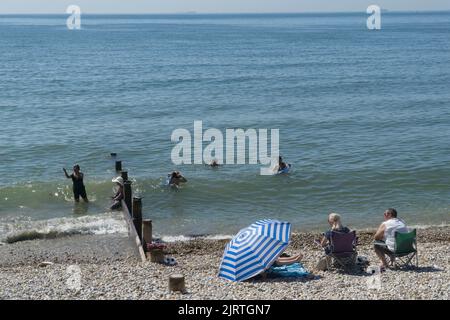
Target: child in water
{"points": [[79, 189]]}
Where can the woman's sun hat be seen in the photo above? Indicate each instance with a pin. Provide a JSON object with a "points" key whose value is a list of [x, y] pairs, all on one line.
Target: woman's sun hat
{"points": [[118, 180]]}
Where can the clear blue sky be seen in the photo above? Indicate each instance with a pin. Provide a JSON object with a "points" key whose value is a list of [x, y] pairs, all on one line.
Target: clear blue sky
{"points": [[212, 6]]}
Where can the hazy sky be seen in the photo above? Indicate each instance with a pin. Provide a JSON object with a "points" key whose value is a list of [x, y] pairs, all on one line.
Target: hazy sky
{"points": [[209, 6]]}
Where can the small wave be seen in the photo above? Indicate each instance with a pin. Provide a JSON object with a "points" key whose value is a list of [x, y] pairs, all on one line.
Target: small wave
{"points": [[183, 238], [106, 223]]}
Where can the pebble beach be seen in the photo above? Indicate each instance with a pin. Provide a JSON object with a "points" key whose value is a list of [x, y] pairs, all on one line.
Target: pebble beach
{"points": [[110, 269]]}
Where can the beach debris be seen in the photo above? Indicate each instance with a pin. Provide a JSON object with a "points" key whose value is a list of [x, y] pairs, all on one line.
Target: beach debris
{"points": [[156, 246], [170, 261], [45, 264], [362, 262], [176, 283], [156, 252]]}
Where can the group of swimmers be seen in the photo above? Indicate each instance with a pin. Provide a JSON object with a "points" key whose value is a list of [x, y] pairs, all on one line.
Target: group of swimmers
{"points": [[174, 179]]}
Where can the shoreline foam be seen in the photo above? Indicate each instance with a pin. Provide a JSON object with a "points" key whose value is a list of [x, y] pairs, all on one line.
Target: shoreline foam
{"points": [[97, 225]]}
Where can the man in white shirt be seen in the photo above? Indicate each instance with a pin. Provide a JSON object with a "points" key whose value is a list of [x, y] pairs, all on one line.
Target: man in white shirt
{"points": [[385, 235]]}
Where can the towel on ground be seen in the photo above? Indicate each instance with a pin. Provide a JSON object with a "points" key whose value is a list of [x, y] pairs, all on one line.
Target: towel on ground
{"points": [[294, 270]]}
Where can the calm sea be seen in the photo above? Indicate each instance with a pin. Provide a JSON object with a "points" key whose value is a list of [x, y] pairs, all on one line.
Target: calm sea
{"points": [[364, 117]]}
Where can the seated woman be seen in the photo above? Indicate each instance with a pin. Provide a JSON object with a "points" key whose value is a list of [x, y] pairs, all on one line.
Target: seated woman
{"points": [[335, 223], [118, 197]]}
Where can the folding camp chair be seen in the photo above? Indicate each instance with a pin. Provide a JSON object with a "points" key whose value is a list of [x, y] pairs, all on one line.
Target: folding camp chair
{"points": [[343, 249], [405, 250]]}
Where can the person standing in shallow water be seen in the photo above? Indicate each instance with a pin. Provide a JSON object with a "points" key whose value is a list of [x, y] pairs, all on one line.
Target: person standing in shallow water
{"points": [[78, 186]]}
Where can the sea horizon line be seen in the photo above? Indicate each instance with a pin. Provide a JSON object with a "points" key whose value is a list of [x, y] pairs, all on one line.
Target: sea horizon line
{"points": [[218, 13]]}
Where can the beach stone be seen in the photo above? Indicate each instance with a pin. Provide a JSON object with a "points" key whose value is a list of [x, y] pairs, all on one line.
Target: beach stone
{"points": [[45, 264]]}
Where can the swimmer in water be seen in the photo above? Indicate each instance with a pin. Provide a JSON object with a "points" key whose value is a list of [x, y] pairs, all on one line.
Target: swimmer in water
{"points": [[281, 165], [79, 189], [176, 178], [214, 163]]}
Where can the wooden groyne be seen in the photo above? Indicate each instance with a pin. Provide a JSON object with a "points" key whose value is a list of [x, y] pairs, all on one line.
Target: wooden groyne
{"points": [[139, 230]]}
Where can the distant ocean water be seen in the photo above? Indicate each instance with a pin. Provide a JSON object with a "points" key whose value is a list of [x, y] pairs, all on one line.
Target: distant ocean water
{"points": [[364, 117]]}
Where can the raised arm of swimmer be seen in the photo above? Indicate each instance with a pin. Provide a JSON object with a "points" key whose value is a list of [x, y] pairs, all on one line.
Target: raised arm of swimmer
{"points": [[65, 172]]}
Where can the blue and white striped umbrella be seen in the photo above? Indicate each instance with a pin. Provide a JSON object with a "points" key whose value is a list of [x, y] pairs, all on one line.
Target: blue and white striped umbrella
{"points": [[254, 249]]}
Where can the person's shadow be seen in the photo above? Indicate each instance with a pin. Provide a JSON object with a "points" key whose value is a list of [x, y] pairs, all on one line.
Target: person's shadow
{"points": [[372, 270], [421, 269]]}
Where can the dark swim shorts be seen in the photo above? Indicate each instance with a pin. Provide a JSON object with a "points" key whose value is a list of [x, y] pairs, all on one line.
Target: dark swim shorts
{"points": [[79, 192]]}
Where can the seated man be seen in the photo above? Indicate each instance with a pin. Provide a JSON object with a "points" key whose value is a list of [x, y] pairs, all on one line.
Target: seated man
{"points": [[385, 236]]}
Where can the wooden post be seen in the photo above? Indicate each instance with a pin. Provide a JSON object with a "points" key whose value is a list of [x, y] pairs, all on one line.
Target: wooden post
{"points": [[176, 283], [156, 255], [118, 166], [124, 175], [113, 154], [127, 195], [137, 216], [147, 230]]}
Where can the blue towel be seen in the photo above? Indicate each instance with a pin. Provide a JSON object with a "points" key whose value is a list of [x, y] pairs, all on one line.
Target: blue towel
{"points": [[294, 270]]}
